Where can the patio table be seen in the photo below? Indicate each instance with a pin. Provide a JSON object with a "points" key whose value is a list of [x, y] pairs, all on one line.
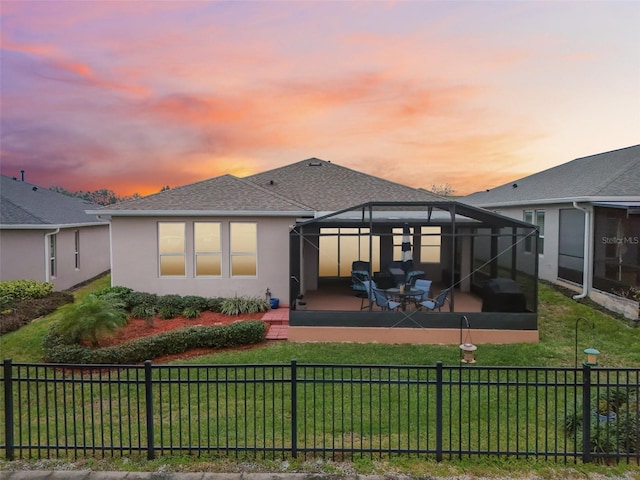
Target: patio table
{"points": [[405, 295]]}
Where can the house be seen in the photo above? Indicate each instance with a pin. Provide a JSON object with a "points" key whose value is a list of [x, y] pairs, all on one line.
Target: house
{"points": [[48, 237], [296, 231], [588, 214]]}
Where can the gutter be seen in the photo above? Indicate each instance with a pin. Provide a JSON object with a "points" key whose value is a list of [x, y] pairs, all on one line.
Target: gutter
{"points": [[47, 267], [199, 213], [586, 267]]}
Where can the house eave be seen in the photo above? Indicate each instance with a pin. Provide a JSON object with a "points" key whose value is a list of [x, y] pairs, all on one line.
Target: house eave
{"points": [[552, 201], [51, 226], [201, 213]]}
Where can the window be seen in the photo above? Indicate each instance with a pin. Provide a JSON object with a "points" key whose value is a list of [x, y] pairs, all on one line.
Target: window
{"points": [[244, 248], [52, 255], [540, 224], [340, 247], [76, 252], [571, 245], [529, 216], [171, 246], [430, 238], [207, 249], [397, 242]]}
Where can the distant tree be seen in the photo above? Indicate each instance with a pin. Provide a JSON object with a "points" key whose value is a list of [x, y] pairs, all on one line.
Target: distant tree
{"points": [[102, 196], [165, 188], [443, 189]]}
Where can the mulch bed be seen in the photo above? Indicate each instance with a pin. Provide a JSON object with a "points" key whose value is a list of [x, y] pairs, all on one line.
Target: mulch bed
{"points": [[138, 328]]}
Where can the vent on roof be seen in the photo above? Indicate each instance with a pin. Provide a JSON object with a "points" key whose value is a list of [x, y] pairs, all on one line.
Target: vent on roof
{"points": [[315, 164], [35, 189], [271, 182], [515, 185]]}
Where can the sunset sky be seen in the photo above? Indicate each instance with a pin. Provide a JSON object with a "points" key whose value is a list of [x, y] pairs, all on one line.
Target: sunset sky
{"points": [[135, 95]]}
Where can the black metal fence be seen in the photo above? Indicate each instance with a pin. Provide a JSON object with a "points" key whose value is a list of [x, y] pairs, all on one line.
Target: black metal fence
{"points": [[330, 411]]}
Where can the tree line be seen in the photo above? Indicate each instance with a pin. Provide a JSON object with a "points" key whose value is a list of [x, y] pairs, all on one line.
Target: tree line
{"points": [[102, 196]]}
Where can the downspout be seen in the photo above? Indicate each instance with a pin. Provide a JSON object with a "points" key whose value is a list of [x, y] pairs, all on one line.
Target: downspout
{"points": [[47, 267], [586, 267]]}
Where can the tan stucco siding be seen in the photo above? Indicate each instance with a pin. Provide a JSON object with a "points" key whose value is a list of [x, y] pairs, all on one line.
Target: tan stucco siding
{"points": [[22, 255], [547, 261], [135, 259], [25, 255]]}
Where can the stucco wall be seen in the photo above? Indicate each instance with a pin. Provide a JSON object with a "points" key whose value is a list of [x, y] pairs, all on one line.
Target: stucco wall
{"points": [[94, 255], [548, 261], [135, 259], [23, 255]]}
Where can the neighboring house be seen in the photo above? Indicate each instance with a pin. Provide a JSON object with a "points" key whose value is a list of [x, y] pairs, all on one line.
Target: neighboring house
{"points": [[47, 236], [588, 214], [297, 230]]}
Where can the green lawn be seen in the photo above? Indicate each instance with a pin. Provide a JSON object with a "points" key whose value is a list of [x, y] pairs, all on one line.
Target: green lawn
{"points": [[616, 339]]}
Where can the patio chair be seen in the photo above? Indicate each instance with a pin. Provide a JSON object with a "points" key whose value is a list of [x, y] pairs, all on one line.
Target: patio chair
{"points": [[435, 303], [383, 302], [397, 272], [424, 285], [369, 286], [413, 276], [359, 273]]}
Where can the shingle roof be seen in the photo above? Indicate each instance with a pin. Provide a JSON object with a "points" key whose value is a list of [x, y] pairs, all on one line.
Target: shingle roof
{"points": [[308, 186], [25, 204], [226, 193], [325, 186], [605, 175]]}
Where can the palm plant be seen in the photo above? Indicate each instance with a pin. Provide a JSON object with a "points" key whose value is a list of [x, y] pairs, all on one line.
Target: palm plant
{"points": [[93, 318]]}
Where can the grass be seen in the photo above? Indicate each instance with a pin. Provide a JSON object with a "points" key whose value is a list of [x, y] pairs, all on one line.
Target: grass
{"points": [[617, 341], [25, 344]]}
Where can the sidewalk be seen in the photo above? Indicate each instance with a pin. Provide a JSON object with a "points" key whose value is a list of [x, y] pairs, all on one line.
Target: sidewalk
{"points": [[278, 320]]}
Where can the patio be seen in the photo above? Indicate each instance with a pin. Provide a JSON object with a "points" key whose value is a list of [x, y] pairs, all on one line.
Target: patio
{"points": [[454, 245]]}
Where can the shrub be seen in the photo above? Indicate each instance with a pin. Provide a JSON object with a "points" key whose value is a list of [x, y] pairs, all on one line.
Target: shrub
{"points": [[240, 305], [27, 310], [173, 302], [193, 301], [214, 304], [168, 312], [92, 318], [121, 292], [191, 312], [174, 342], [145, 312], [141, 298], [12, 291]]}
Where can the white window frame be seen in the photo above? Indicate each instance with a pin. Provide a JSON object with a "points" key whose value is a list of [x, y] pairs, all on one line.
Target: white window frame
{"points": [[53, 250], [183, 254], [533, 217], [76, 249], [207, 253], [239, 253], [430, 241]]}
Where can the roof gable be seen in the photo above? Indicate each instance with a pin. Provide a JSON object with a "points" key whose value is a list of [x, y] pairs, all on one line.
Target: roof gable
{"points": [[325, 186], [24, 204], [607, 175]]}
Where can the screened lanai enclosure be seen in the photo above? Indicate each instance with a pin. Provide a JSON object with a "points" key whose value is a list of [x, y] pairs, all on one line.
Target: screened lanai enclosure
{"points": [[413, 272]]}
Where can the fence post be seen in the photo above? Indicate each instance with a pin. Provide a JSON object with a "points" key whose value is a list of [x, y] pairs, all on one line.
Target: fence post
{"points": [[586, 414], [8, 408], [294, 409], [149, 409], [439, 424]]}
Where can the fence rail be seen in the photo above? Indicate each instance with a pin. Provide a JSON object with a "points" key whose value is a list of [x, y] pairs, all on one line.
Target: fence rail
{"points": [[337, 411]]}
